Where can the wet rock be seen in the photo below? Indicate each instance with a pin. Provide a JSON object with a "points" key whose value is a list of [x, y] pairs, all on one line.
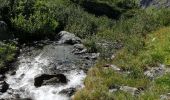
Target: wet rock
{"points": [[92, 56], [46, 79], [165, 97], [68, 38], [79, 49], [154, 72], [81, 52], [3, 86], [4, 34], [2, 77], [69, 92], [79, 46], [131, 90], [13, 73]]}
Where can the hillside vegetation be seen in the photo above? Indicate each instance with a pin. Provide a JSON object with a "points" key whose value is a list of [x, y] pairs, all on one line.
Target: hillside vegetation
{"points": [[138, 38]]}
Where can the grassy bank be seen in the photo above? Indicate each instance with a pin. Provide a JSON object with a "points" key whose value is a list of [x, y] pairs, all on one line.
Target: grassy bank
{"points": [[139, 39], [154, 52], [7, 55]]}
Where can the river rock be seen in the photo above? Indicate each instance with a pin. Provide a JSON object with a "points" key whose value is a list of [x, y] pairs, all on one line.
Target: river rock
{"points": [[46, 79], [3, 86], [79, 49], [79, 46], [69, 92], [2, 77], [4, 34], [68, 38]]}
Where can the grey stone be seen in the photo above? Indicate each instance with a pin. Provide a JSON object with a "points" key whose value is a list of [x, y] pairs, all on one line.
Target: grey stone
{"points": [[79, 49], [46, 79], [115, 68], [69, 92], [68, 38], [154, 72], [131, 90]]}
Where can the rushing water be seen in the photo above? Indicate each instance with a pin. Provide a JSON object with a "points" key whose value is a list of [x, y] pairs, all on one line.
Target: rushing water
{"points": [[22, 83]]}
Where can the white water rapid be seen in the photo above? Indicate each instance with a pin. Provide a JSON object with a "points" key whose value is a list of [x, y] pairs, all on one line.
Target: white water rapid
{"points": [[23, 81]]}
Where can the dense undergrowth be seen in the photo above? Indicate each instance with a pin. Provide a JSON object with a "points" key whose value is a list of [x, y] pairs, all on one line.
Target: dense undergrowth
{"points": [[139, 38]]}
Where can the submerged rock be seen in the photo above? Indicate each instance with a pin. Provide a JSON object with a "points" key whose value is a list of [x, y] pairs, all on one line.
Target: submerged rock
{"points": [[69, 92], [3, 86], [68, 38], [46, 79]]}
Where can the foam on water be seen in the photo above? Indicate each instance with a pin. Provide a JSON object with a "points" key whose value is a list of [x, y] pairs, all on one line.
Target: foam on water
{"points": [[23, 81]]}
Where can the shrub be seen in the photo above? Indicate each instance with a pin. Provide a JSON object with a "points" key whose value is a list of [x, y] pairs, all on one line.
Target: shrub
{"points": [[33, 19], [38, 25]]}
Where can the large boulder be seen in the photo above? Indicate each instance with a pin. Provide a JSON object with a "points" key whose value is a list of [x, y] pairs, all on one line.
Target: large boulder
{"points": [[3, 86], [67, 38], [46, 79], [4, 33]]}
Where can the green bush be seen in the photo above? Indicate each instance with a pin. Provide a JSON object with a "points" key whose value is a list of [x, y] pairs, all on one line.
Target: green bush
{"points": [[37, 25], [33, 19]]}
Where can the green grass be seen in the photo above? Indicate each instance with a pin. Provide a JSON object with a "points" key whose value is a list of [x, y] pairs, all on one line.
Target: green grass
{"points": [[154, 51], [144, 36], [7, 54]]}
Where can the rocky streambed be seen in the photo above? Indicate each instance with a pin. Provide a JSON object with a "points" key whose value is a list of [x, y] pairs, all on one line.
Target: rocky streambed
{"points": [[48, 70]]}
